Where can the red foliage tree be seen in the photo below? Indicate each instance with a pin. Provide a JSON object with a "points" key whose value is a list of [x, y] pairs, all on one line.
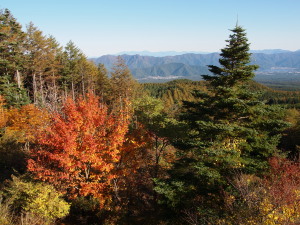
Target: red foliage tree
{"points": [[284, 181], [78, 152]]}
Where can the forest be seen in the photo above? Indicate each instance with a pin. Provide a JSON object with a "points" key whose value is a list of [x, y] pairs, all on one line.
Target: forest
{"points": [[83, 145]]}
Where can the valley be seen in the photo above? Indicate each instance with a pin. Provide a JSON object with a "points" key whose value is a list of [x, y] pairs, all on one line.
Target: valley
{"points": [[278, 69]]}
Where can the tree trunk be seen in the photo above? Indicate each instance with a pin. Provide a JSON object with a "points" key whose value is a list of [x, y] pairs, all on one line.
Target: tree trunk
{"points": [[73, 91], [34, 88], [18, 78], [42, 89], [82, 81]]}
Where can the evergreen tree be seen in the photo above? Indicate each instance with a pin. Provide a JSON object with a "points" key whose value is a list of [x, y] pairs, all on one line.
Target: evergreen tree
{"points": [[11, 60], [11, 43], [229, 130], [71, 71], [230, 123], [88, 73], [102, 83]]}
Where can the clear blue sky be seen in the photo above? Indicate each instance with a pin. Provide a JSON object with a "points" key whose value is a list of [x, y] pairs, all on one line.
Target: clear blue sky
{"points": [[100, 27]]}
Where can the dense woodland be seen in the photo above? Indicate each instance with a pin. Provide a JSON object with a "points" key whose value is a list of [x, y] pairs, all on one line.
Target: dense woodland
{"points": [[81, 145]]}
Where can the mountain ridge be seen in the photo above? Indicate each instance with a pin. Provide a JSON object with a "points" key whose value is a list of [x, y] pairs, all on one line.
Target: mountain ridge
{"points": [[192, 64], [159, 54]]}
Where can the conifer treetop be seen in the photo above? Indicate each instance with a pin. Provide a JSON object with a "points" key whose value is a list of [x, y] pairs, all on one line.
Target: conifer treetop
{"points": [[235, 58]]}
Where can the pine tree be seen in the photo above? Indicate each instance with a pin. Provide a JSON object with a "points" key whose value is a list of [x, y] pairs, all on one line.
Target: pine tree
{"points": [[11, 43], [102, 84], [11, 60], [71, 76], [88, 73], [230, 124], [229, 130]]}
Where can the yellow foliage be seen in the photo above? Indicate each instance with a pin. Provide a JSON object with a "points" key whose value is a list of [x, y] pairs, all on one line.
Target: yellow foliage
{"points": [[256, 204], [280, 214], [25, 123], [22, 124], [37, 198], [232, 144]]}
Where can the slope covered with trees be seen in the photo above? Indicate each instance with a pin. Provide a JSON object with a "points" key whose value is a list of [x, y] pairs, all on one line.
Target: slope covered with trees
{"points": [[81, 145]]}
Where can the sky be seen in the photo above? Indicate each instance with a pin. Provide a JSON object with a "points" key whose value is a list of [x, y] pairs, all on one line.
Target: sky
{"points": [[100, 27]]}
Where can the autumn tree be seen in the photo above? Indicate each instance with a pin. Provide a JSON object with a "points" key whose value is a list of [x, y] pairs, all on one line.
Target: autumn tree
{"points": [[43, 64], [123, 85], [19, 128], [282, 202], [3, 113], [272, 199], [25, 123], [132, 185], [39, 203], [160, 129], [12, 159], [145, 155], [78, 152]]}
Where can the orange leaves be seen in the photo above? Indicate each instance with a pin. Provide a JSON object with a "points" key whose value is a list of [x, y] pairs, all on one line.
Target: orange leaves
{"points": [[22, 124], [25, 123], [3, 112], [134, 154], [79, 150]]}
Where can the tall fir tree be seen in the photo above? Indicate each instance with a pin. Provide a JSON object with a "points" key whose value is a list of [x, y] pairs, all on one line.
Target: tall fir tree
{"points": [[229, 123], [229, 130], [71, 77], [11, 60], [102, 84]]}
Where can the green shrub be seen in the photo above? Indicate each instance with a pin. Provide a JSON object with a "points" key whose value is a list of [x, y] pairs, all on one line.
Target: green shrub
{"points": [[36, 198]]}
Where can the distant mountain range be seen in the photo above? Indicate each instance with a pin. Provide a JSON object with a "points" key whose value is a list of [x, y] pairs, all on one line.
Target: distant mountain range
{"points": [[169, 70], [173, 53], [192, 65], [271, 51], [159, 54]]}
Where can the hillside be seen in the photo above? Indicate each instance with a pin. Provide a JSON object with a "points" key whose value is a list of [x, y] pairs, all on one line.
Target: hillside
{"points": [[174, 92], [285, 61], [277, 68], [169, 70]]}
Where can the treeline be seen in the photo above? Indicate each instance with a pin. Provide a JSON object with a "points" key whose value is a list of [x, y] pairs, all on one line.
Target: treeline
{"points": [[79, 146], [288, 98], [174, 92], [35, 68]]}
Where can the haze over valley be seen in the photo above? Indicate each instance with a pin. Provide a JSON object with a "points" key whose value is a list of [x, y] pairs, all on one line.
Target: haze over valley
{"points": [[276, 66]]}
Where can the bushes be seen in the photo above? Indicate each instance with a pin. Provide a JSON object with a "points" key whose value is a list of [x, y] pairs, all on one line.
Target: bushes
{"points": [[31, 199], [272, 200]]}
